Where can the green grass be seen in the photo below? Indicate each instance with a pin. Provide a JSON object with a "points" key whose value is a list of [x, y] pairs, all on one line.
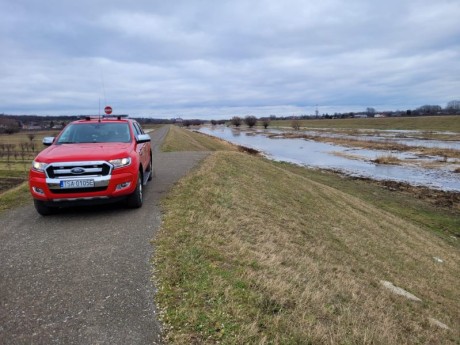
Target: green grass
{"points": [[253, 251], [422, 123]]}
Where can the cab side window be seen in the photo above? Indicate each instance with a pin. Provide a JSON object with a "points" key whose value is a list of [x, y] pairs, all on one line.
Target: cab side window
{"points": [[137, 129], [141, 131]]}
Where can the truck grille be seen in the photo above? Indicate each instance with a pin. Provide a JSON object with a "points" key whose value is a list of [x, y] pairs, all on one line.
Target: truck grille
{"points": [[78, 169]]}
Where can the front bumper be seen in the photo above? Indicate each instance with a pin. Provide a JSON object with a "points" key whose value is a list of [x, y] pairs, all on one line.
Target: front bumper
{"points": [[105, 189]]}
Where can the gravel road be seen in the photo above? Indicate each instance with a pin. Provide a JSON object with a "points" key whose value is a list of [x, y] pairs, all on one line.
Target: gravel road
{"points": [[83, 276]]}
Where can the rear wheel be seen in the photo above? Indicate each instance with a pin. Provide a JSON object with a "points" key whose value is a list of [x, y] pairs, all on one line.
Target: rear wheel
{"points": [[42, 209], [136, 198]]}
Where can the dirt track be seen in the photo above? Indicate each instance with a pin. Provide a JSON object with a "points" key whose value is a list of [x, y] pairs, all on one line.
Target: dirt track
{"points": [[83, 276]]}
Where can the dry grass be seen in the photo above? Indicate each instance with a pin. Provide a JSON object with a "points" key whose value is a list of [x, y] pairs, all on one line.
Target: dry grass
{"points": [[349, 156], [15, 197], [24, 137], [433, 151], [387, 159], [254, 253], [423, 123], [434, 210], [179, 139]]}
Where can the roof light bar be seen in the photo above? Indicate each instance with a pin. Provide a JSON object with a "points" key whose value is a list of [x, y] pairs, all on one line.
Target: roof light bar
{"points": [[97, 117], [118, 117]]}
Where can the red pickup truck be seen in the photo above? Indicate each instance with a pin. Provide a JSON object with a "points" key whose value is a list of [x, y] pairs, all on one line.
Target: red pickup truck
{"points": [[92, 161]]}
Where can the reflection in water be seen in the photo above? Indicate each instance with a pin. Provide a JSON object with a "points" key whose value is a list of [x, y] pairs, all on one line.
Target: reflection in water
{"points": [[321, 155]]}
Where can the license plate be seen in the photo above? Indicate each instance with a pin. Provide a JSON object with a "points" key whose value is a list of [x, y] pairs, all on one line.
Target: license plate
{"points": [[77, 184]]}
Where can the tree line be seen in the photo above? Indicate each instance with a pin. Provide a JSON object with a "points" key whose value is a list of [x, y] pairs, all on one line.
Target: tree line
{"points": [[13, 123]]}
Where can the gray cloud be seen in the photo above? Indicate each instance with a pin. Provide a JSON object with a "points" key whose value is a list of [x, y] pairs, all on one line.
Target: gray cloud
{"points": [[207, 58]]}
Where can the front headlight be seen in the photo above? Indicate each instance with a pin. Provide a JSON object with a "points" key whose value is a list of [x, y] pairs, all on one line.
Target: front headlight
{"points": [[121, 162], [38, 166]]}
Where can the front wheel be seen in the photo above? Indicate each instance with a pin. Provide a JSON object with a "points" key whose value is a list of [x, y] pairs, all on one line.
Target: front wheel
{"points": [[150, 170], [136, 198], [42, 209]]}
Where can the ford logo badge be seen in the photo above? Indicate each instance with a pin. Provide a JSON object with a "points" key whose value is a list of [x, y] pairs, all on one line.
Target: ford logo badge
{"points": [[77, 170]]}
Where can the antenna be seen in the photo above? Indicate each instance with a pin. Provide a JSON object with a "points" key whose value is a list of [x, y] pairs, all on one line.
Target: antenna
{"points": [[103, 86], [103, 91]]}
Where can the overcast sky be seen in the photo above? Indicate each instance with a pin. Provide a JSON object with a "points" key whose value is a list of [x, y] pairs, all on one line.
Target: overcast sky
{"points": [[215, 59]]}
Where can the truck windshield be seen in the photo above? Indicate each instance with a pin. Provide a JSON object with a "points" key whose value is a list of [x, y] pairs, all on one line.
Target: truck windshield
{"points": [[95, 133]]}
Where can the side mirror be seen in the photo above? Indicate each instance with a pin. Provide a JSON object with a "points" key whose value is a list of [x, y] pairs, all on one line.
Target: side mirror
{"points": [[47, 141], [143, 138]]}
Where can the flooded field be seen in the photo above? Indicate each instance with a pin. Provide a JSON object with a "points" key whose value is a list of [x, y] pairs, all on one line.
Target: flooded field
{"points": [[404, 137], [423, 144], [420, 170]]}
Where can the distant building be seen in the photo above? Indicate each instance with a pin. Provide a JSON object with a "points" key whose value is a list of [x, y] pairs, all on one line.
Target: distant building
{"points": [[32, 126]]}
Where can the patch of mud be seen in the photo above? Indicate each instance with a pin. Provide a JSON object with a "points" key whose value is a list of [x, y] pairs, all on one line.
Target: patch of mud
{"points": [[249, 150], [442, 198], [9, 183]]}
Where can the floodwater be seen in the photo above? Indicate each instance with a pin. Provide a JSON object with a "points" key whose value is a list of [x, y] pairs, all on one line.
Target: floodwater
{"points": [[328, 156], [408, 138]]}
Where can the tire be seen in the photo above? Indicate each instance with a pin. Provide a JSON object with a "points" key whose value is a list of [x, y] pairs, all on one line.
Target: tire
{"points": [[136, 198], [150, 170], [42, 209]]}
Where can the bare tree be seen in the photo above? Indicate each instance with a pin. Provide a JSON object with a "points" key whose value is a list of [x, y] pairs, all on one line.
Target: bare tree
{"points": [[453, 105], [430, 109], [236, 121], [250, 121], [265, 122], [24, 148], [9, 152], [295, 124], [370, 111]]}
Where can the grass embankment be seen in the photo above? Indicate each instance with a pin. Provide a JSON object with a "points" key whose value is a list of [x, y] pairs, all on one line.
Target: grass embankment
{"points": [[421, 123], [253, 251], [179, 139], [429, 209]]}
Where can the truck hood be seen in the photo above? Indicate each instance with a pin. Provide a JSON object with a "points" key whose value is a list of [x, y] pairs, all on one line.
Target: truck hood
{"points": [[84, 152]]}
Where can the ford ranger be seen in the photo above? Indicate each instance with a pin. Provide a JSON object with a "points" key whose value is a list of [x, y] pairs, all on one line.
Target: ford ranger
{"points": [[92, 161]]}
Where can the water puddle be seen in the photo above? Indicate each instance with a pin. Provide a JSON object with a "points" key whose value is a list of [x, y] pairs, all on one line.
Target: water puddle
{"points": [[351, 161]]}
